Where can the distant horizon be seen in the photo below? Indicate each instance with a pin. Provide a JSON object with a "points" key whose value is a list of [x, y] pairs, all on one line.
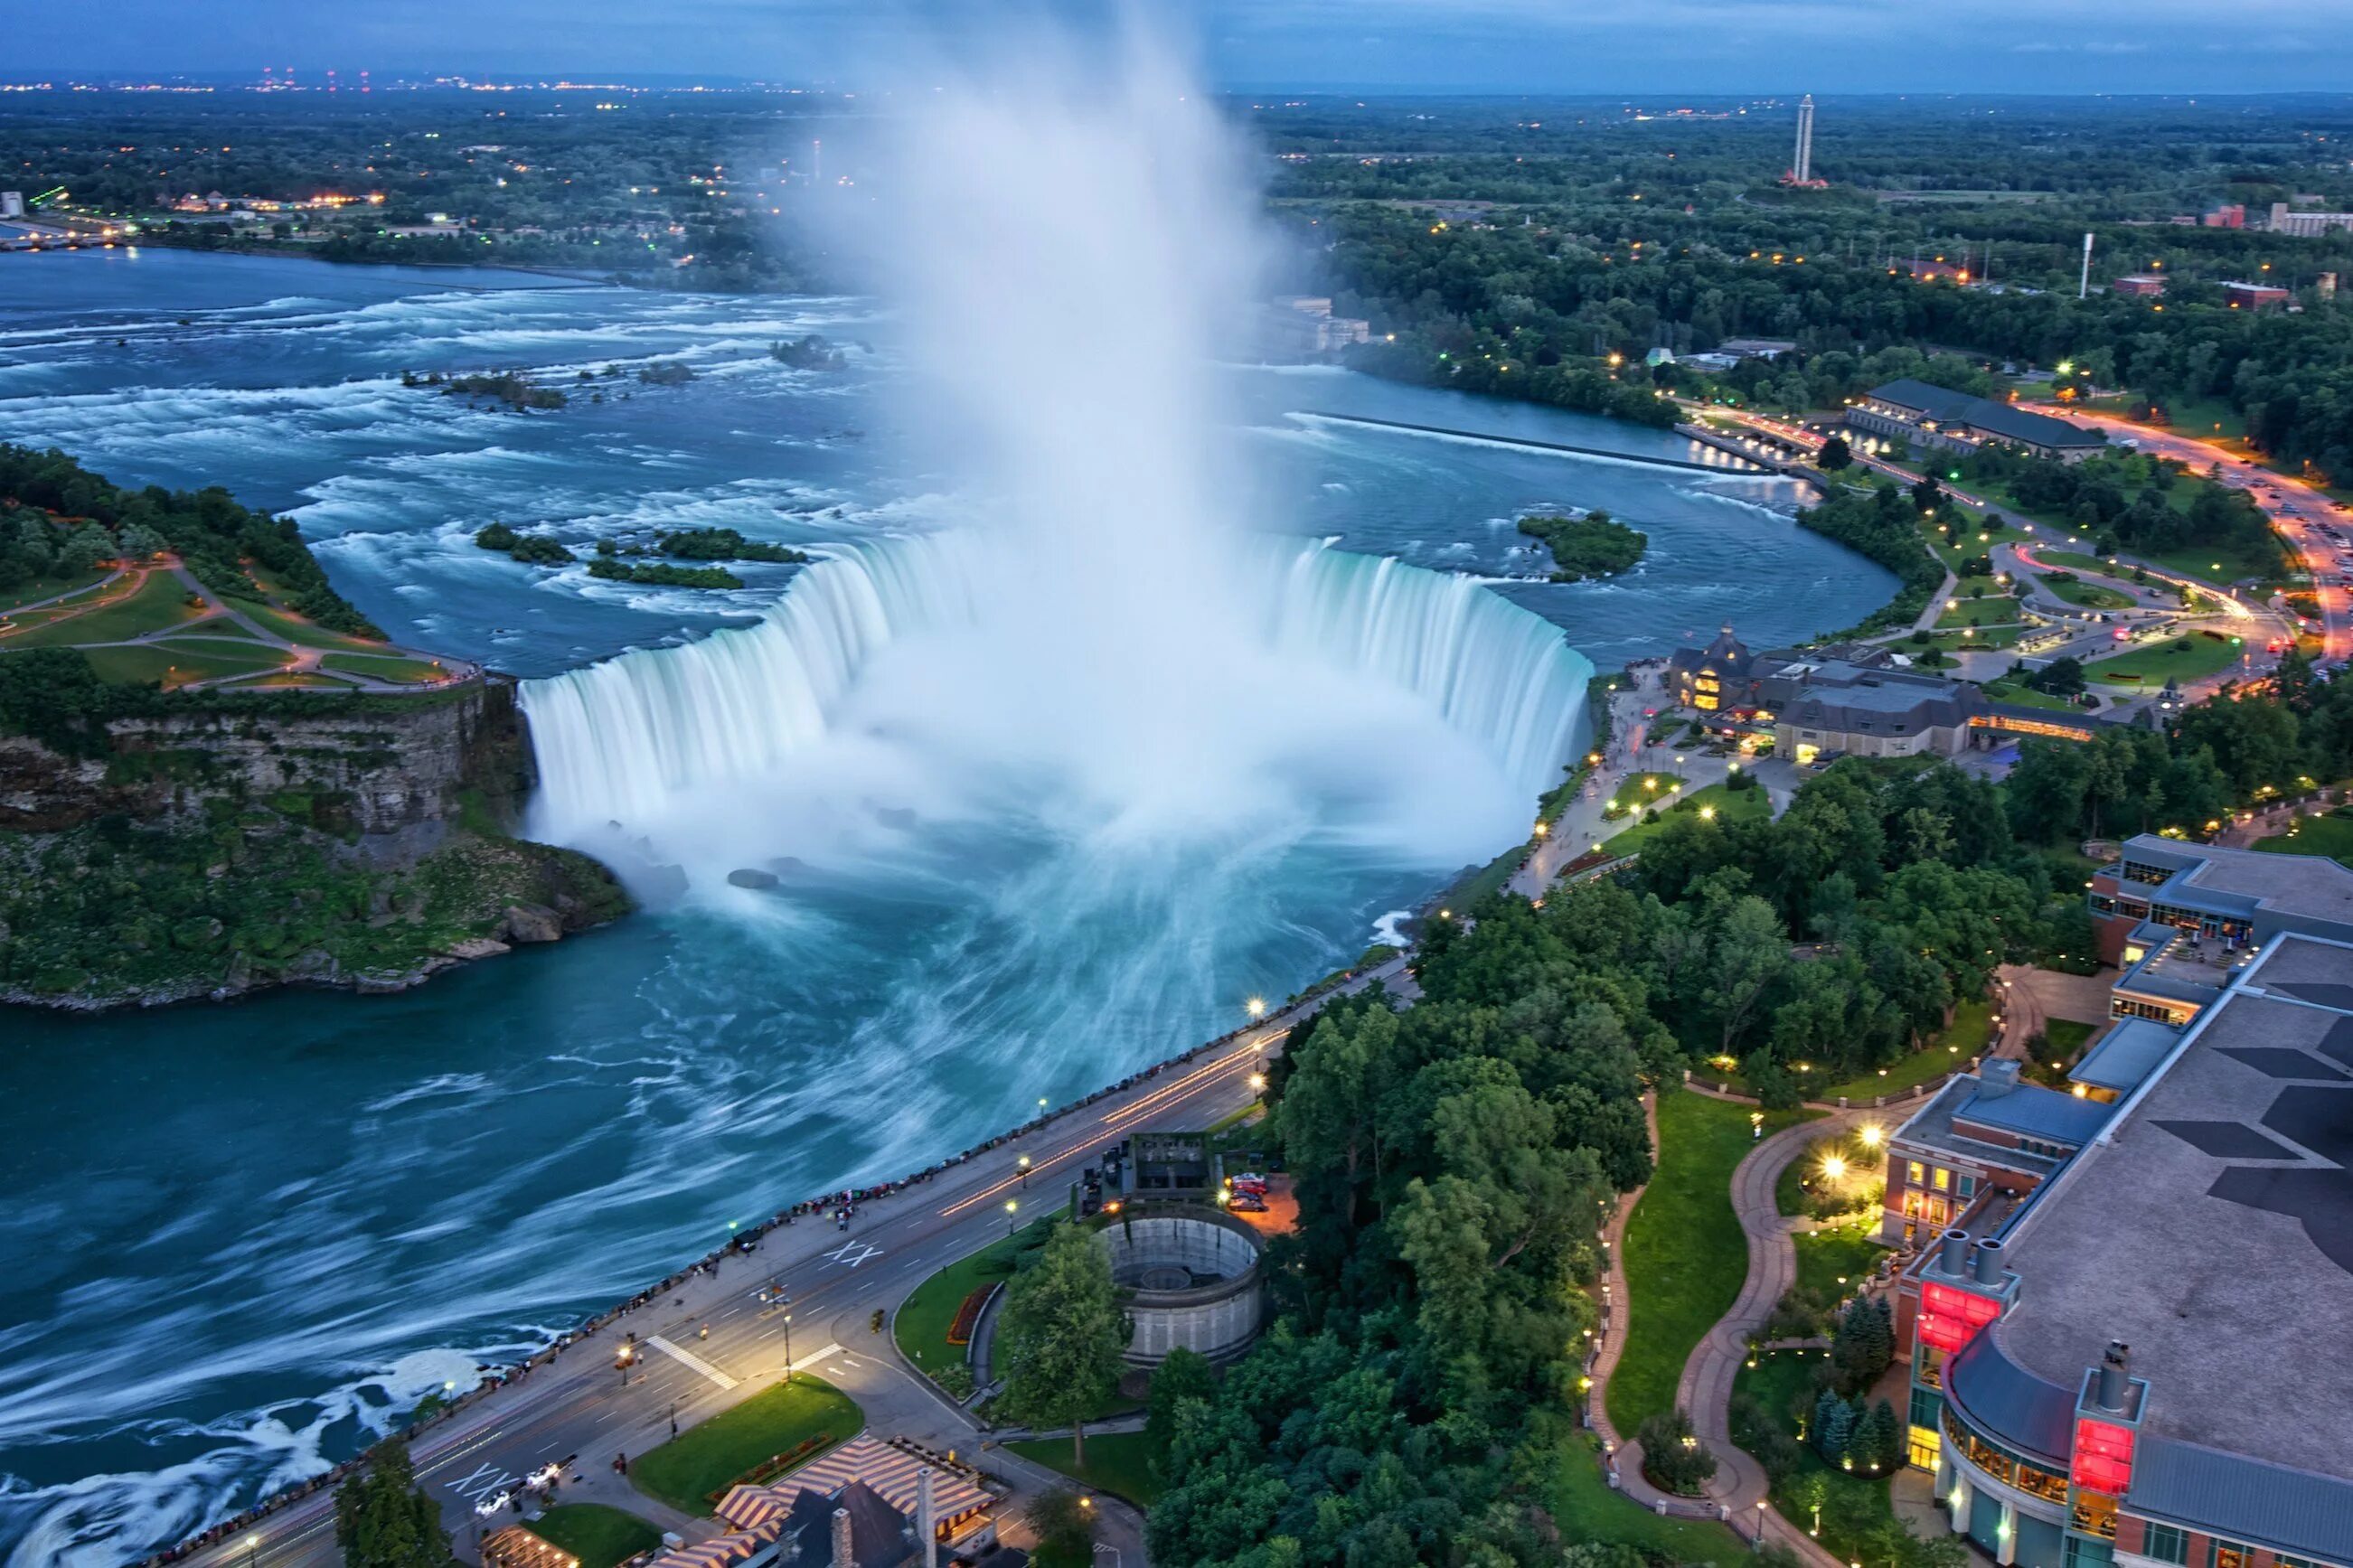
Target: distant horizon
{"points": [[526, 78], [2066, 49]]}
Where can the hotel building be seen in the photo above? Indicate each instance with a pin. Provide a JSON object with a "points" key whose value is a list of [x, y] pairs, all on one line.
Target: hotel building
{"points": [[2128, 1342]]}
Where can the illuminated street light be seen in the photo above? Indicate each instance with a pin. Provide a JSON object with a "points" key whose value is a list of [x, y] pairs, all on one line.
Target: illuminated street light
{"points": [[1834, 1167], [1258, 1082], [1871, 1134], [1023, 1163], [1256, 1005], [1010, 1208]]}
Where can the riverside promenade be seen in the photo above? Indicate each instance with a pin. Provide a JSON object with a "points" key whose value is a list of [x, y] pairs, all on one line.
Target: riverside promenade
{"points": [[580, 1405]]}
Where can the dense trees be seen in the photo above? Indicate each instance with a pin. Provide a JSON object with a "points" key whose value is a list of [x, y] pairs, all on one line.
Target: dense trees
{"points": [[1455, 1159], [1061, 1336], [383, 1518], [1594, 545], [56, 517]]}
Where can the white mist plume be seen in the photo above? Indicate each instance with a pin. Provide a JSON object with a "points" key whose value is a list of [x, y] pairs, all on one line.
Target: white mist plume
{"points": [[1112, 723]]}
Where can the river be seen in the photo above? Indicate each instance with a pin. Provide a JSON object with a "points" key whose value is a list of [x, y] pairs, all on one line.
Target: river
{"points": [[239, 1238]]}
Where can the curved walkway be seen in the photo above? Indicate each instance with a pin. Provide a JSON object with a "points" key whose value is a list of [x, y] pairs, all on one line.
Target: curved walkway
{"points": [[1705, 1389]]}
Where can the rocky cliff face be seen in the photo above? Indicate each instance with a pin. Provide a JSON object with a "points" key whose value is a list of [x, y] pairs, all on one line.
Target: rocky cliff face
{"points": [[389, 765], [361, 844]]}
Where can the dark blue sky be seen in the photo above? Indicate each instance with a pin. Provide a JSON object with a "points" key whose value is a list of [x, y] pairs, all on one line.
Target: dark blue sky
{"points": [[1573, 46]]}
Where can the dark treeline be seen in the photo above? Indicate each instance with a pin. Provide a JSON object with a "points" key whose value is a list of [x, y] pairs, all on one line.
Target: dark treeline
{"points": [[1414, 1402], [56, 517]]}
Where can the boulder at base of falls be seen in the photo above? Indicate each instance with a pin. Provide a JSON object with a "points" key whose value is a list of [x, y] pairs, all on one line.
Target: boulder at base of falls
{"points": [[531, 922], [747, 877]]}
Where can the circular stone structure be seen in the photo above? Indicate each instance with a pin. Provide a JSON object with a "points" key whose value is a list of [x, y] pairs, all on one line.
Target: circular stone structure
{"points": [[1192, 1280]]}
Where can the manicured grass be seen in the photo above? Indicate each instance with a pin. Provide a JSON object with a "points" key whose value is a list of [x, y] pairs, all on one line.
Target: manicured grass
{"points": [[1971, 1028], [2152, 664], [118, 614], [923, 1318], [1685, 1252], [702, 1459], [1587, 1510], [1972, 638], [1836, 1260], [597, 1535], [1119, 1463], [2087, 595], [181, 660], [385, 667], [41, 588], [2024, 696], [1853, 1508], [1727, 805], [2331, 836], [296, 629], [1638, 794]]}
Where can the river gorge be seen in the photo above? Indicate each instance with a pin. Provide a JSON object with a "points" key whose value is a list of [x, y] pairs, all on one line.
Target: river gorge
{"points": [[241, 1238]]}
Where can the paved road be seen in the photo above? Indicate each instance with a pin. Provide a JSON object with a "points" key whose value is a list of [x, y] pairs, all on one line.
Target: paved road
{"points": [[2297, 511], [581, 1408]]}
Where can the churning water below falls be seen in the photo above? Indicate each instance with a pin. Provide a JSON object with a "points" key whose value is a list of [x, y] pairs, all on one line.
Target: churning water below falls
{"points": [[239, 1238]]}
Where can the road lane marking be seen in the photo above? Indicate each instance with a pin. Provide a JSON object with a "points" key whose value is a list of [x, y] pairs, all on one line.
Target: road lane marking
{"points": [[852, 1253], [695, 1362], [813, 1357]]}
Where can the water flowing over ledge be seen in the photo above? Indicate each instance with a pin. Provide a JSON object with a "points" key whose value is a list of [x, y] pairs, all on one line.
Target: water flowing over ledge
{"points": [[617, 740]]}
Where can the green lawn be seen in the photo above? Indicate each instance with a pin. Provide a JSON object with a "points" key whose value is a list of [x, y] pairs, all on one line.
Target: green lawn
{"points": [[1685, 1252], [1851, 1509], [2331, 836], [2087, 595], [923, 1318], [178, 662], [385, 667], [1636, 795], [1971, 1028], [2152, 664], [158, 601], [1119, 1463], [703, 1459], [41, 588], [1973, 636], [597, 1535], [1837, 1260], [1587, 1510], [2019, 694], [294, 628], [1727, 805]]}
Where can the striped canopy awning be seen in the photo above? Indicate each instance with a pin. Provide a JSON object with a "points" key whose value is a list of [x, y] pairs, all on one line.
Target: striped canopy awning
{"points": [[894, 1474], [746, 1506], [721, 1551]]}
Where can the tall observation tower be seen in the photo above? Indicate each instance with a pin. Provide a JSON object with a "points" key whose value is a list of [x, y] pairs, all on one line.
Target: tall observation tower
{"points": [[1801, 170]]}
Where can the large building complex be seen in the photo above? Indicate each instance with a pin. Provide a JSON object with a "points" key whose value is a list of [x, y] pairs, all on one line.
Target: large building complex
{"points": [[1815, 705], [2307, 225], [1914, 412], [2137, 1358]]}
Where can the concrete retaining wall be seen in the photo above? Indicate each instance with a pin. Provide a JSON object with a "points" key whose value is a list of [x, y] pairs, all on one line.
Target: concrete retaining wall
{"points": [[1217, 1319]]}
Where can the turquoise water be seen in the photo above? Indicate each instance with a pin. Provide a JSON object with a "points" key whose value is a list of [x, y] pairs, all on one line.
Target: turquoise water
{"points": [[236, 1237]]}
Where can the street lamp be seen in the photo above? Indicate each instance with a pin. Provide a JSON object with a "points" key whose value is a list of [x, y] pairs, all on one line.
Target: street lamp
{"points": [[621, 1360], [1256, 1007], [788, 1347], [1258, 1082], [1024, 1163], [1010, 1206], [1761, 1505], [252, 1550]]}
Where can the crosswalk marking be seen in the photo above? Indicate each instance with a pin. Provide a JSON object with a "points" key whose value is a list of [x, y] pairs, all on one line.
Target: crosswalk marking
{"points": [[696, 1362]]}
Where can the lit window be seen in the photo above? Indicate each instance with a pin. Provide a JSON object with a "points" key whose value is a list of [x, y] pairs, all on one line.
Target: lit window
{"points": [[1944, 1182], [2229, 1554], [1915, 1173]]}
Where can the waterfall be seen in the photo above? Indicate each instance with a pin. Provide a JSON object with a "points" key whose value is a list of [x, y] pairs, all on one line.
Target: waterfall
{"points": [[617, 740]]}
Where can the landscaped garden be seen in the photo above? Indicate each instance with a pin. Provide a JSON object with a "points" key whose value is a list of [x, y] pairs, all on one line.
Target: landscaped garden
{"points": [[2331, 836], [768, 1434], [1587, 1510], [1685, 1254], [597, 1535], [927, 1322], [1119, 1463], [1966, 1035], [1714, 803], [2191, 657], [1848, 1513]]}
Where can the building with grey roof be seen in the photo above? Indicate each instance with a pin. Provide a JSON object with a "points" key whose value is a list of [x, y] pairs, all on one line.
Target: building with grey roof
{"points": [[2233, 898], [2143, 1361], [1924, 416]]}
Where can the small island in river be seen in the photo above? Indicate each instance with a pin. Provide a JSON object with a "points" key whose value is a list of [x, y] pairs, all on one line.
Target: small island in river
{"points": [[1592, 545]]}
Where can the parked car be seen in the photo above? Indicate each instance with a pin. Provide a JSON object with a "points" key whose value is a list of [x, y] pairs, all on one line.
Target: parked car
{"points": [[1247, 1203]]}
